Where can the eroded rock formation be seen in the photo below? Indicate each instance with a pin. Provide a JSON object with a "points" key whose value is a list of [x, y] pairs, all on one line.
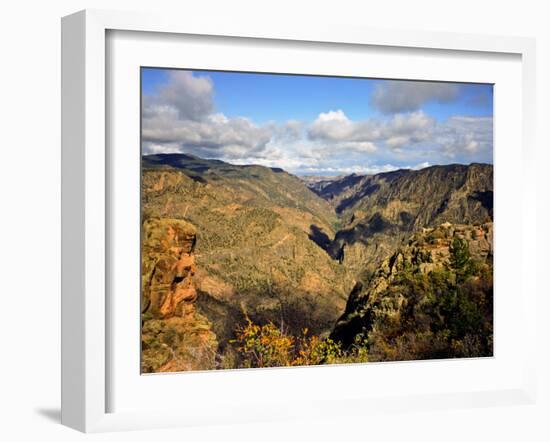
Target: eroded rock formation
{"points": [[175, 337]]}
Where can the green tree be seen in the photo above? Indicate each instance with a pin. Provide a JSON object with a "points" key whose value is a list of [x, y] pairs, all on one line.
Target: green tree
{"points": [[460, 259]]}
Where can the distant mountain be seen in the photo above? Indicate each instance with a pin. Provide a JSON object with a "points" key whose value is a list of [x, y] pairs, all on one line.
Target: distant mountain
{"points": [[317, 183], [358, 192], [378, 211]]}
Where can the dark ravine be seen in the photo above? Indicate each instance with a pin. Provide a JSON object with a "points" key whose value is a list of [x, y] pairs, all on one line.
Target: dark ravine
{"points": [[379, 211]]}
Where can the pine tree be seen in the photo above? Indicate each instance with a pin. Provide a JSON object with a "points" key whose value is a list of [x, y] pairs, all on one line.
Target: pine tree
{"points": [[460, 259]]}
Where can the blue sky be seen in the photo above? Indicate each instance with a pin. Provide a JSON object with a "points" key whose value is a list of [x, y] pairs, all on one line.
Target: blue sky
{"points": [[316, 125]]}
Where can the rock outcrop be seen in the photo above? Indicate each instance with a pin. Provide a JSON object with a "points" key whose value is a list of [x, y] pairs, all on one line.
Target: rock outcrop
{"points": [[175, 337], [381, 299]]}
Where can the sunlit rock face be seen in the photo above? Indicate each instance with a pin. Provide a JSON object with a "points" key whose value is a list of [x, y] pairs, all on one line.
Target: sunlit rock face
{"points": [[175, 337]]}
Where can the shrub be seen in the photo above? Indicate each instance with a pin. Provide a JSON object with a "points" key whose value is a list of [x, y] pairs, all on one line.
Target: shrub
{"points": [[270, 346], [263, 346]]}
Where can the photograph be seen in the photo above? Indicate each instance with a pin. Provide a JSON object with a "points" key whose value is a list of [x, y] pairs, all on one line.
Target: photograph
{"points": [[275, 221], [303, 220]]}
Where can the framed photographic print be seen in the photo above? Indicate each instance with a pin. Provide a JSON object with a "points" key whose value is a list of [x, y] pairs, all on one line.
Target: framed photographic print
{"points": [[291, 221], [314, 237]]}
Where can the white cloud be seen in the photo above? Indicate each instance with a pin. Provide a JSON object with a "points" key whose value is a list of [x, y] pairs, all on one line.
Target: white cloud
{"points": [[347, 170], [181, 117], [421, 165], [332, 125], [465, 135], [218, 135], [336, 126], [393, 96], [396, 132], [359, 169], [189, 97], [291, 131], [407, 129], [360, 146]]}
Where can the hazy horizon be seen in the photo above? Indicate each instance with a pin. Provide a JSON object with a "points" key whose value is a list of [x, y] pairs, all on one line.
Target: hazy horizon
{"points": [[329, 174]]}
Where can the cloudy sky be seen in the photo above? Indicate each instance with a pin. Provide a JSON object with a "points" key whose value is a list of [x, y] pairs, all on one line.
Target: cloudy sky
{"points": [[316, 125]]}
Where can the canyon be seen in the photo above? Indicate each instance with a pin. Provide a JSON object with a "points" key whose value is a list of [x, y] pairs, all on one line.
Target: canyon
{"points": [[224, 244]]}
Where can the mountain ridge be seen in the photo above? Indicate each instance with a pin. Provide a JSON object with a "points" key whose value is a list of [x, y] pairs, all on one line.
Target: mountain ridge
{"points": [[257, 249], [381, 210], [269, 248]]}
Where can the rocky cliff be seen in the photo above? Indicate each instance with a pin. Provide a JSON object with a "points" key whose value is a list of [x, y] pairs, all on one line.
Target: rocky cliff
{"points": [[379, 211], [431, 298], [175, 337]]}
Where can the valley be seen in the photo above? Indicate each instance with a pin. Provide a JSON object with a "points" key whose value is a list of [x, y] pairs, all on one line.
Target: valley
{"points": [[250, 266]]}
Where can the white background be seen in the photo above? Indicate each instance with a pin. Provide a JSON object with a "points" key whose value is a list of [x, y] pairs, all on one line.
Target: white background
{"points": [[30, 181]]}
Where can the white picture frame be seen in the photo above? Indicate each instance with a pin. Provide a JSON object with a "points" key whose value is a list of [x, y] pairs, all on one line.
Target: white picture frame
{"points": [[85, 233]]}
